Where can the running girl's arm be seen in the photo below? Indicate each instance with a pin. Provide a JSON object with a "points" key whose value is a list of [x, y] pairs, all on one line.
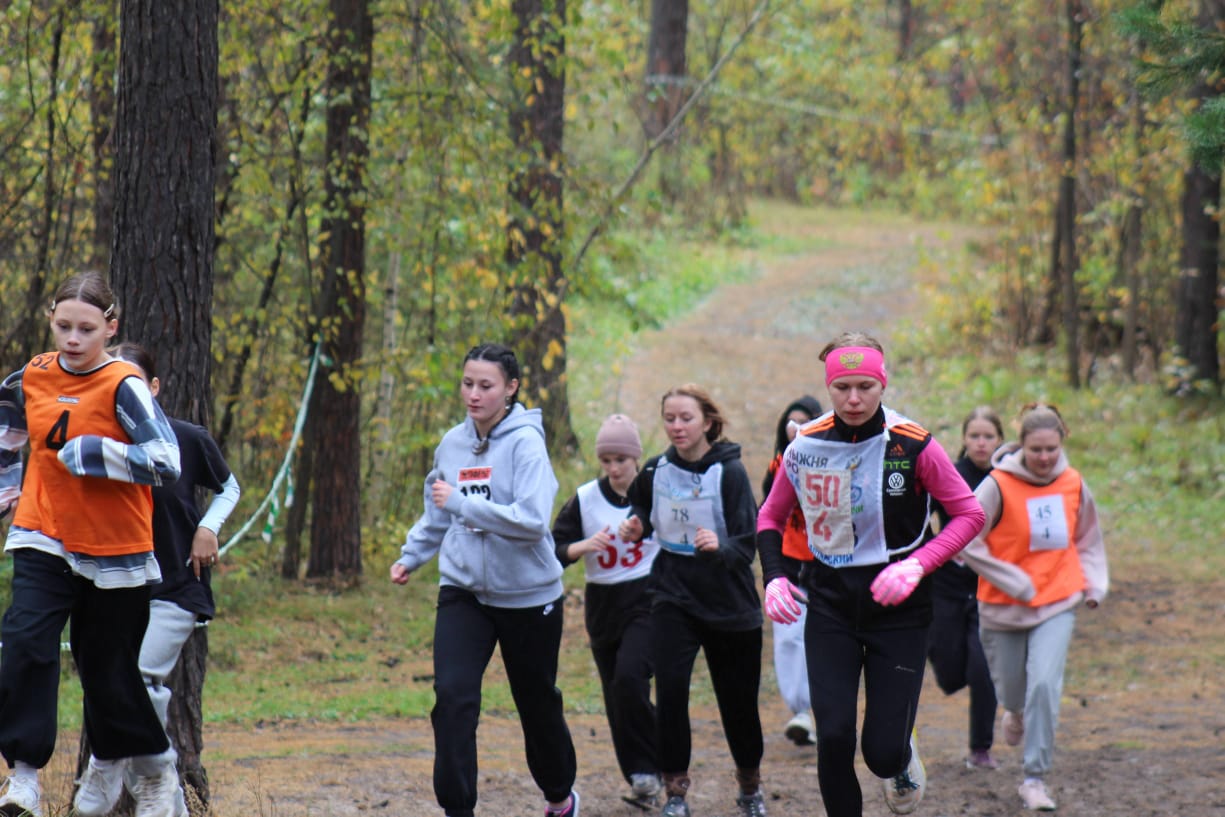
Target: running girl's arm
{"points": [[222, 505], [424, 538], [1005, 575], [1091, 548], [567, 529], [13, 437], [740, 516], [641, 496], [151, 459], [778, 506], [533, 487], [940, 479]]}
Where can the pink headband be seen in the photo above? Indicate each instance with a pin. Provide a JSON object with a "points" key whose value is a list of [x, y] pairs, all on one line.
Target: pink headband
{"points": [[855, 361]]}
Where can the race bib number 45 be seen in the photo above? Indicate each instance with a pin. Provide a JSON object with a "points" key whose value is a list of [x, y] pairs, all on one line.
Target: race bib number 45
{"points": [[1048, 524], [825, 499]]}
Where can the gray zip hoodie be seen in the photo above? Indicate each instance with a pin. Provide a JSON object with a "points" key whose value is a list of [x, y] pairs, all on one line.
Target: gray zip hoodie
{"points": [[493, 534]]}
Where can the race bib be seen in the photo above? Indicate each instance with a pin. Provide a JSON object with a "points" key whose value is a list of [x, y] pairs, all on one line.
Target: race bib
{"points": [[476, 481], [1048, 523], [825, 499], [679, 521]]}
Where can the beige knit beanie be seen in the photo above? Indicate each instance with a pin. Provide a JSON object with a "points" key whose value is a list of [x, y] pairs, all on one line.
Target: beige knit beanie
{"points": [[618, 435]]}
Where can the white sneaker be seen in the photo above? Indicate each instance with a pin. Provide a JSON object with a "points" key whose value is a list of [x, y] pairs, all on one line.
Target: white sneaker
{"points": [[99, 788], [159, 795], [1035, 796], [904, 792], [644, 791], [799, 730], [21, 798]]}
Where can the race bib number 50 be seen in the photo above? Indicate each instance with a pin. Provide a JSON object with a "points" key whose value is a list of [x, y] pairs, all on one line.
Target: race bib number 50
{"points": [[825, 499]]}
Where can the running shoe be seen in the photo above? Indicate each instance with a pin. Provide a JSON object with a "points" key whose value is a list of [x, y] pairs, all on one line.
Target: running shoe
{"points": [[22, 798], [99, 788], [1035, 795], [644, 791], [981, 759], [675, 807], [799, 730], [904, 791], [751, 805]]}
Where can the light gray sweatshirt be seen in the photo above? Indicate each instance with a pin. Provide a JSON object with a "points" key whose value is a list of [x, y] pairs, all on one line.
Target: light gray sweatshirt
{"points": [[493, 535], [1012, 579]]}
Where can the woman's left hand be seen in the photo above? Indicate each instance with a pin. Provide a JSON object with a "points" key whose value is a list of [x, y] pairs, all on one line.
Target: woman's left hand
{"points": [[203, 550], [440, 492], [705, 540]]}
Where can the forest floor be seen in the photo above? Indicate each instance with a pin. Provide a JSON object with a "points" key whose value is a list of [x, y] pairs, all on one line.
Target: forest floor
{"points": [[1151, 741]]}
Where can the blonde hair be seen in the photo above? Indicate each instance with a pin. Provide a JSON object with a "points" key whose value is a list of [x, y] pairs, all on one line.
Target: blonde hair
{"points": [[851, 339]]}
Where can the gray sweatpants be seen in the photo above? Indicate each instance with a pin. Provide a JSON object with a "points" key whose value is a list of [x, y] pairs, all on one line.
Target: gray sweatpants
{"points": [[1027, 669]]}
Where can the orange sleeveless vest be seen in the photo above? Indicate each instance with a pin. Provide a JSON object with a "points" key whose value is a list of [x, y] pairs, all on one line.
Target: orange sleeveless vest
{"points": [[795, 535], [90, 515], [1035, 532]]}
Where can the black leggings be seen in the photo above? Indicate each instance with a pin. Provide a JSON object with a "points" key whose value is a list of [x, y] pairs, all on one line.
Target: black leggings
{"points": [[891, 663]]}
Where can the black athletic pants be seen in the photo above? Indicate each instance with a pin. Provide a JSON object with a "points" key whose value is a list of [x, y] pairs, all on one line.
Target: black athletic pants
{"points": [[465, 634], [957, 657], [734, 661], [625, 676], [107, 627]]}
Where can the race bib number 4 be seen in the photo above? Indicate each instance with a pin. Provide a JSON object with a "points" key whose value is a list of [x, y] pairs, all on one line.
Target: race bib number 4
{"points": [[679, 522], [825, 499], [1048, 524]]}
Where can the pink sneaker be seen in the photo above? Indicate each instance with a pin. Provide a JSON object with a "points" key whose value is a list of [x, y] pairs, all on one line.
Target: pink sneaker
{"points": [[1013, 725], [981, 759]]}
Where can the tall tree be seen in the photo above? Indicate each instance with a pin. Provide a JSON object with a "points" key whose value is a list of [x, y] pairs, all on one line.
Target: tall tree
{"points": [[665, 83], [1068, 262], [1192, 57], [537, 224], [1198, 301], [335, 438], [162, 270]]}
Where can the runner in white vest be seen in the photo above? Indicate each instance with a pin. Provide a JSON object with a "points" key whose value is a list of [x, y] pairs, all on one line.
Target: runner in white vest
{"points": [[617, 602], [864, 476], [697, 500]]}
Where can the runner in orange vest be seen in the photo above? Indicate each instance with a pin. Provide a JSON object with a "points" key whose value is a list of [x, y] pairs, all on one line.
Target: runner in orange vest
{"points": [[81, 542], [1042, 557]]}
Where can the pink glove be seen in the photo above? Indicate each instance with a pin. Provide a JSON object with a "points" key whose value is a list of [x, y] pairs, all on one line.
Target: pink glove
{"points": [[781, 605], [895, 583]]}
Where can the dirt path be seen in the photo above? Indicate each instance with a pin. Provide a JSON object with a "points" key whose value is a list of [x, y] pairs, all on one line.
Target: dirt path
{"points": [[1154, 747]]}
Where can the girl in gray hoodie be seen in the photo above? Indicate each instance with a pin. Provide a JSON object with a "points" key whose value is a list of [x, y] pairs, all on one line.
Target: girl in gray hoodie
{"points": [[488, 502]]}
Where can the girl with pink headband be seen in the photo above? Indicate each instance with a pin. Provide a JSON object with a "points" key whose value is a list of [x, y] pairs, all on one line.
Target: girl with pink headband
{"points": [[864, 478]]}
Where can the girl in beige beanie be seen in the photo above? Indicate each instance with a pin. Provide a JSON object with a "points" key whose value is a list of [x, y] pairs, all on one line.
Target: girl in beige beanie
{"points": [[617, 604]]}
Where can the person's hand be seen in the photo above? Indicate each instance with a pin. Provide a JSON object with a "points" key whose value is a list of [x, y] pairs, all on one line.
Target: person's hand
{"points": [[593, 544], [203, 550], [781, 604], [896, 582], [399, 573], [440, 492], [630, 530], [705, 540]]}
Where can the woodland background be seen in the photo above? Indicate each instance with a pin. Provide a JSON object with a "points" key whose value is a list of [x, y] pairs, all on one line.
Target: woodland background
{"points": [[389, 183]]}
